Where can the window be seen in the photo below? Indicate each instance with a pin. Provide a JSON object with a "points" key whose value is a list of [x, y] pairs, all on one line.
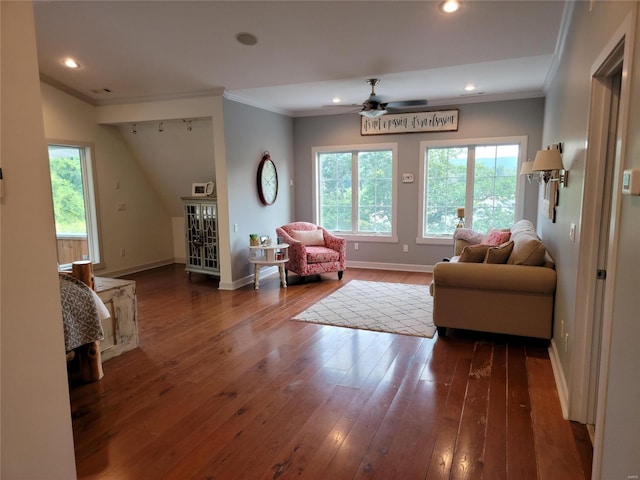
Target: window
{"points": [[479, 175], [73, 203], [355, 189]]}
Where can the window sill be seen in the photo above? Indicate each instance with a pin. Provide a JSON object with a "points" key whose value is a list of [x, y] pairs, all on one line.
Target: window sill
{"points": [[434, 240], [368, 238]]}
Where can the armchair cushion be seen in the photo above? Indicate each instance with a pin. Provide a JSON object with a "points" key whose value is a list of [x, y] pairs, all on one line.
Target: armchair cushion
{"points": [[321, 255]]}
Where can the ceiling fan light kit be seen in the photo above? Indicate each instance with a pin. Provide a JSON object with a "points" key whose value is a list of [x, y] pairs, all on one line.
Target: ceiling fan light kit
{"points": [[373, 107]]}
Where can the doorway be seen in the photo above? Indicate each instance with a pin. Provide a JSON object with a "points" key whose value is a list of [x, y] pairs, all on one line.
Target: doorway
{"points": [[599, 223]]}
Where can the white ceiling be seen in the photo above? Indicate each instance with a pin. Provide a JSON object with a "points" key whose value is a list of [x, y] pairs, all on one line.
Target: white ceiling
{"points": [[307, 51]]}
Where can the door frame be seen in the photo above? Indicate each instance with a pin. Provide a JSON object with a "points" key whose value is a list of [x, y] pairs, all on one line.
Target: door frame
{"points": [[618, 50]]}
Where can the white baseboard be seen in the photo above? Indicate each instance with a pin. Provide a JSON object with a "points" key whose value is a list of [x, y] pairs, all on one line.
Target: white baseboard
{"points": [[401, 267], [265, 272], [561, 381], [136, 269]]}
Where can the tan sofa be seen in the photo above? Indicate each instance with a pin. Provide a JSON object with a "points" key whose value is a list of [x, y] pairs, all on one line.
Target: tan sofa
{"points": [[514, 298]]}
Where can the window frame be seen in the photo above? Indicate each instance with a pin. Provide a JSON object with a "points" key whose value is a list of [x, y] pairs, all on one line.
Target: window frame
{"points": [[89, 186], [355, 235], [522, 140]]}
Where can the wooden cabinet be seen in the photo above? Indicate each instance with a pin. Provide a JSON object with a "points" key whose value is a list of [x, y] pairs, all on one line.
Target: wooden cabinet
{"points": [[121, 328], [201, 235]]}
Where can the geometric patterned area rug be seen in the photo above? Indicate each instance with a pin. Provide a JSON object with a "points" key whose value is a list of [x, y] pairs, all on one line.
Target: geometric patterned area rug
{"points": [[383, 307]]}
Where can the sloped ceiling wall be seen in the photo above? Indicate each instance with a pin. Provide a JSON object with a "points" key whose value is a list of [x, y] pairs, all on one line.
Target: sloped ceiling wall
{"points": [[173, 158]]}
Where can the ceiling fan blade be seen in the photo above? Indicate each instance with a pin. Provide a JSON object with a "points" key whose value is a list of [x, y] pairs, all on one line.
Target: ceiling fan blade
{"points": [[408, 106]]}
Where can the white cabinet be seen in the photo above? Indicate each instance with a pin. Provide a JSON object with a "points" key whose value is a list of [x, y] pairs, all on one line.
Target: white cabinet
{"points": [[201, 235]]}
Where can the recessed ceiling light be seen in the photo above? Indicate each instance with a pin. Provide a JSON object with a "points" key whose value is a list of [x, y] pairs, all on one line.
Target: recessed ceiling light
{"points": [[336, 100], [246, 38], [470, 87], [71, 63], [450, 6]]}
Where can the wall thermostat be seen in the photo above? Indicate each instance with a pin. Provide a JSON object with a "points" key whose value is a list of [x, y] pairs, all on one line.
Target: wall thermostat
{"points": [[631, 181]]}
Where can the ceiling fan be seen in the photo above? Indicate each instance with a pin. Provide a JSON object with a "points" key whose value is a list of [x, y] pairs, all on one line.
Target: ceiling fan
{"points": [[374, 107]]}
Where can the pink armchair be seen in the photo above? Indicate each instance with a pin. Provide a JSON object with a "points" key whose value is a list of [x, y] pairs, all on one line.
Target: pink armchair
{"points": [[312, 249]]}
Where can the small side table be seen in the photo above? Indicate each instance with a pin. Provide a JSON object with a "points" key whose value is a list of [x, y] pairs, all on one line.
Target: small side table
{"points": [[269, 255]]}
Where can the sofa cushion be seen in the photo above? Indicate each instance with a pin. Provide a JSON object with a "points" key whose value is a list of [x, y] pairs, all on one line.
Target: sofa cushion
{"points": [[309, 237], [495, 237], [474, 253], [499, 254]]}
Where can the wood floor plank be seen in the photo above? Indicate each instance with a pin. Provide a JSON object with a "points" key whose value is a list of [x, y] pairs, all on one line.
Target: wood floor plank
{"points": [[521, 454], [444, 447], [226, 385], [468, 459], [495, 460], [548, 430]]}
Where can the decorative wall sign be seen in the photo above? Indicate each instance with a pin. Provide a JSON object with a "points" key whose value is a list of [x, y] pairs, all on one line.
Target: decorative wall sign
{"points": [[440, 121]]}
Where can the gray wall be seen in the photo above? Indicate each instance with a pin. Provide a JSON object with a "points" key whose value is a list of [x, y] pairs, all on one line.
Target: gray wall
{"points": [[494, 119], [566, 119], [249, 132]]}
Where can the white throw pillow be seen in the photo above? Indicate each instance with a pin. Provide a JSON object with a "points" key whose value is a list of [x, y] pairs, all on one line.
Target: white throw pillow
{"points": [[309, 237]]}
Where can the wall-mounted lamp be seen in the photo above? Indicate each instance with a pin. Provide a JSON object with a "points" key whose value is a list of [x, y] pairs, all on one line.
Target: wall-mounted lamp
{"points": [[548, 163], [525, 169]]}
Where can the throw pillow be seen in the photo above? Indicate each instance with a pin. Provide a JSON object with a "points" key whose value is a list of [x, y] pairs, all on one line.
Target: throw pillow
{"points": [[528, 250], [499, 254], [495, 237], [309, 237], [473, 253]]}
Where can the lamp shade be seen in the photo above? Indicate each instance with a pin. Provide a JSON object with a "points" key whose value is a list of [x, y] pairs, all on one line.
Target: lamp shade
{"points": [[526, 168], [547, 160]]}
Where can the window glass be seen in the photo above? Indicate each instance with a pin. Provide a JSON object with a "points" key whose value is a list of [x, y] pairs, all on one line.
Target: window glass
{"points": [[73, 203], [375, 178], [335, 190], [481, 178], [355, 190], [446, 188]]}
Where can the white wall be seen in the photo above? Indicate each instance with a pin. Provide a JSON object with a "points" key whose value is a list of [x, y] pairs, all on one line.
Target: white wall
{"points": [[492, 119], [37, 439], [174, 158], [144, 228]]}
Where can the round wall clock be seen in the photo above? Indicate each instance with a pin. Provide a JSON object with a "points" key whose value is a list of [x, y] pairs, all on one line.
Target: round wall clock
{"points": [[267, 180]]}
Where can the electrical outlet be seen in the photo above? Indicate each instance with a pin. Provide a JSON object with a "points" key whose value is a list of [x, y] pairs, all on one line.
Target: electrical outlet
{"points": [[572, 232], [566, 342], [235, 227], [122, 252], [405, 248], [356, 246], [121, 206]]}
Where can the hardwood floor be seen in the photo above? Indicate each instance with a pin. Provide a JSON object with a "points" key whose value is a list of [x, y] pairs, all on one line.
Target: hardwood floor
{"points": [[226, 386]]}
